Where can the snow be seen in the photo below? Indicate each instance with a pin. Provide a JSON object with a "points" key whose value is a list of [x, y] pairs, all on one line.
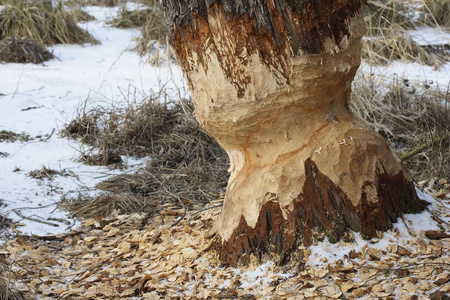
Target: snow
{"points": [[40, 99], [415, 72], [402, 232], [430, 36]]}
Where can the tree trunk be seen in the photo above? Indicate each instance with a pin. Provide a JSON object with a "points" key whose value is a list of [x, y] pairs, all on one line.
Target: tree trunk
{"points": [[271, 82]]}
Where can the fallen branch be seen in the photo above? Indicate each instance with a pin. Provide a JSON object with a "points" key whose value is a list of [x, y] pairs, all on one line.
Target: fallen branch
{"points": [[182, 205], [34, 219], [424, 146]]}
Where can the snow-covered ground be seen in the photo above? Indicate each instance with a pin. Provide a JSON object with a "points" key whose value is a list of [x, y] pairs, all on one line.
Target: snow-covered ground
{"points": [[39, 99]]}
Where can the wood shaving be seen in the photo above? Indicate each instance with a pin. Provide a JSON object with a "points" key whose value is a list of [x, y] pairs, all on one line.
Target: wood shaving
{"points": [[117, 257]]}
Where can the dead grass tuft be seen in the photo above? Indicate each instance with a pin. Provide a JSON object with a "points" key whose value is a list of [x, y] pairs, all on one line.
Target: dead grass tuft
{"points": [[7, 280], [79, 15], [387, 37], [131, 18], [11, 137], [152, 42], [436, 12], [154, 29], [6, 292], [105, 204], [42, 22], [185, 163], [107, 3], [17, 50], [385, 13], [396, 44], [408, 115], [48, 173]]}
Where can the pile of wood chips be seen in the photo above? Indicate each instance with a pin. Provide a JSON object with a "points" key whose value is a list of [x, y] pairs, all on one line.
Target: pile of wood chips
{"points": [[131, 257]]}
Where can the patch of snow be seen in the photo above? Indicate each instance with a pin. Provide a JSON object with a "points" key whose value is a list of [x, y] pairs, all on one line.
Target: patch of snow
{"points": [[40, 99], [414, 72], [326, 252], [430, 36], [259, 277]]}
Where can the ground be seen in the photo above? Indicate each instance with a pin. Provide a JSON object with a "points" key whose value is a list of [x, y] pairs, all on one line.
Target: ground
{"points": [[52, 255]]}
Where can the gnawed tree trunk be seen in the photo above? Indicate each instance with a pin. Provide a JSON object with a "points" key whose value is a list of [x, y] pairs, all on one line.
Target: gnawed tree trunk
{"points": [[271, 81]]}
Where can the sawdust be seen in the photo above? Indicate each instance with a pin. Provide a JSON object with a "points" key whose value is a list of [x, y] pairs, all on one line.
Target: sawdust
{"points": [[127, 256]]}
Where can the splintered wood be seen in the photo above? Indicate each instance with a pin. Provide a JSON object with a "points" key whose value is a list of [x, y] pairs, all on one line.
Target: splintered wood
{"points": [[121, 258]]}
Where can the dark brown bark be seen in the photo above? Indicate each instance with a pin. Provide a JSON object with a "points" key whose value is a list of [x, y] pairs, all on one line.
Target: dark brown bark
{"points": [[308, 22], [321, 210], [273, 31]]}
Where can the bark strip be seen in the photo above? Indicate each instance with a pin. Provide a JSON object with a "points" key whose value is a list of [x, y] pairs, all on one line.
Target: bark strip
{"points": [[321, 210]]}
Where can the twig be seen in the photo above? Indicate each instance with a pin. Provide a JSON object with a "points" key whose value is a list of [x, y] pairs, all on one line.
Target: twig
{"points": [[422, 265], [182, 204], [34, 219], [207, 208], [407, 227], [439, 220], [424, 146], [52, 237], [17, 86], [47, 138]]}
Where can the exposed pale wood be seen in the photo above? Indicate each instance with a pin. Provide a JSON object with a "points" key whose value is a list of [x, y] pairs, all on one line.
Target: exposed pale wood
{"points": [[271, 82]]}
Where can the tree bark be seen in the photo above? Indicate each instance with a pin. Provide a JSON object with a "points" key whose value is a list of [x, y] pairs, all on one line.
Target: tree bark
{"points": [[271, 81]]}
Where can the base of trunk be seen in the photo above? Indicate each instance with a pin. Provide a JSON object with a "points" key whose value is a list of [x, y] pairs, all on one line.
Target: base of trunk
{"points": [[322, 209]]}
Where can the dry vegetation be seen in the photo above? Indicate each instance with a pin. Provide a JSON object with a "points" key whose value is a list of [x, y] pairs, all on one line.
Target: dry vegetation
{"points": [[79, 15], [387, 38], [131, 18], [186, 165], [10, 136], [408, 114], [108, 3], [17, 50], [7, 291], [396, 44], [385, 13], [41, 21], [436, 12], [153, 39]]}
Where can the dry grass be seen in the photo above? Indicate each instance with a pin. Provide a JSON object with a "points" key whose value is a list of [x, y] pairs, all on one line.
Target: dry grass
{"points": [[385, 13], [48, 173], [16, 50], [436, 12], [387, 38], [153, 41], [396, 44], [131, 18], [153, 27], [7, 280], [408, 115], [107, 3], [185, 163], [11, 137], [79, 15], [40, 21], [107, 203]]}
